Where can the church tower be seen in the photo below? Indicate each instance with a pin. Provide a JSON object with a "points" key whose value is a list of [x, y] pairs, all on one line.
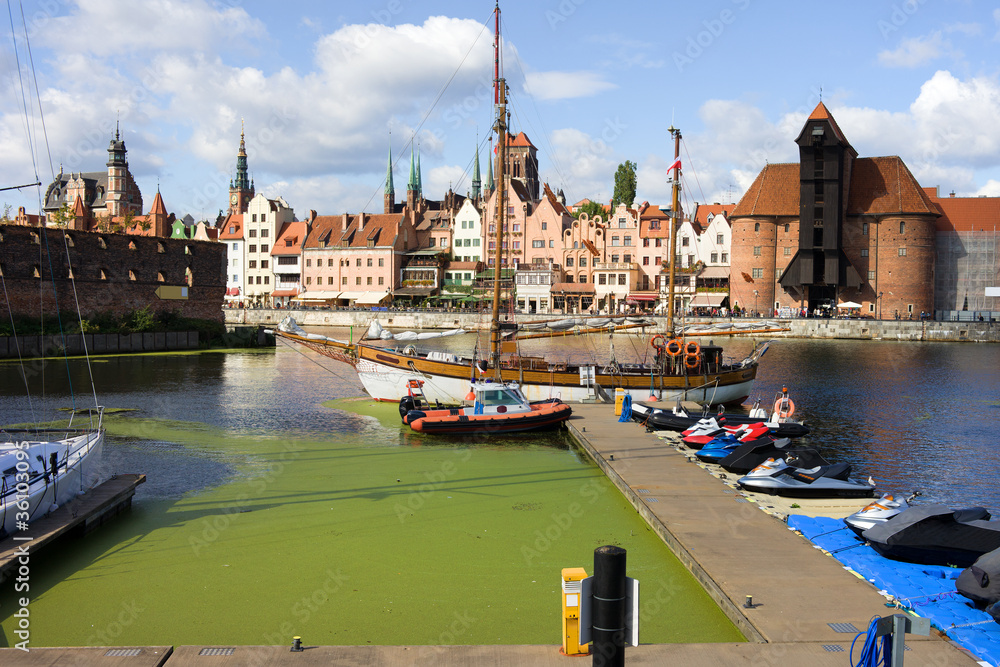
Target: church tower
{"points": [[117, 202], [476, 180], [412, 185], [522, 163], [390, 191], [241, 190]]}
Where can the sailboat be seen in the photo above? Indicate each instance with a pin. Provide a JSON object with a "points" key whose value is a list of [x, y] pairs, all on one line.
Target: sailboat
{"points": [[681, 369]]}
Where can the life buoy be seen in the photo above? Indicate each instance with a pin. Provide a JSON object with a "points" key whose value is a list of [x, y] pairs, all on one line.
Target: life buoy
{"points": [[784, 407], [658, 342], [674, 347], [691, 361], [692, 347]]}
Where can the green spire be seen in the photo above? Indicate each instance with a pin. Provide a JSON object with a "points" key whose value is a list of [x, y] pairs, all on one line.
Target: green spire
{"points": [[420, 185], [476, 181], [489, 176], [389, 189], [412, 184]]}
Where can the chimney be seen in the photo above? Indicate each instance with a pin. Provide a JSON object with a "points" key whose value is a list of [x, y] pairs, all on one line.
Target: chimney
{"points": [[346, 222], [951, 194], [361, 222]]}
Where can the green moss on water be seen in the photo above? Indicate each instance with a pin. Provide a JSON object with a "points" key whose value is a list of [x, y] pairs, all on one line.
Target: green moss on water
{"points": [[347, 542]]}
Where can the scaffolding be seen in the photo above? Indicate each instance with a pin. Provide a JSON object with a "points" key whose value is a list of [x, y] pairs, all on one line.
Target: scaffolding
{"points": [[966, 264]]}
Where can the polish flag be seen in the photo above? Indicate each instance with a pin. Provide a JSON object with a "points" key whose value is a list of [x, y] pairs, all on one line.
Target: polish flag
{"points": [[675, 165]]}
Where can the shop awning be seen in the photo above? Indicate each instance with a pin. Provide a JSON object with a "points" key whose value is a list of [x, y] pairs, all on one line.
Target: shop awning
{"points": [[351, 296], [643, 297], [708, 300], [316, 296], [714, 272], [413, 291], [371, 298], [573, 288], [233, 291], [285, 292]]}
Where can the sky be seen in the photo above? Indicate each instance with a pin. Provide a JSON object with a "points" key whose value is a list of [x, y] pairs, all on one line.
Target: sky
{"points": [[325, 89]]}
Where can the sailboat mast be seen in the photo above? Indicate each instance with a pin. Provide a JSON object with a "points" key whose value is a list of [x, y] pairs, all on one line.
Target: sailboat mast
{"points": [[674, 224], [500, 217]]}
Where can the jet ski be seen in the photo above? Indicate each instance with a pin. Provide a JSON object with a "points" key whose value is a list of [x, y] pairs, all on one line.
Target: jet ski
{"points": [[708, 431], [679, 419], [936, 535], [749, 455], [980, 582], [878, 512], [718, 449], [776, 477]]}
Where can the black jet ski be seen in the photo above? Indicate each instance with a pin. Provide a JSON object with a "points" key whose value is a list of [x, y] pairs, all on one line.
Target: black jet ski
{"points": [[749, 455], [936, 535], [776, 477], [980, 582]]}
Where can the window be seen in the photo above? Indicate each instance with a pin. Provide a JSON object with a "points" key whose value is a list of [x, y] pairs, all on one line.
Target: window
{"points": [[288, 243], [569, 261], [622, 278], [236, 277], [864, 228], [232, 230], [909, 308], [329, 280], [263, 232], [359, 261], [253, 248], [258, 280], [254, 217], [602, 279], [777, 273], [343, 281], [357, 281], [444, 243], [583, 278], [552, 243], [758, 273], [871, 275], [719, 239], [252, 233], [614, 259], [517, 245], [263, 247], [252, 264], [263, 263], [627, 258], [517, 227], [788, 251], [714, 258], [645, 260], [475, 242], [902, 252], [645, 243], [432, 242], [369, 261], [902, 227], [659, 242], [538, 243], [756, 226], [621, 222], [369, 280], [309, 280], [381, 280], [756, 251], [615, 240], [583, 262], [628, 240], [329, 262], [864, 252], [725, 257], [685, 241], [381, 261]]}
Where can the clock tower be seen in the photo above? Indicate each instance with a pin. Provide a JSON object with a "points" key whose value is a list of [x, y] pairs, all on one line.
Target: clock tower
{"points": [[241, 189]]}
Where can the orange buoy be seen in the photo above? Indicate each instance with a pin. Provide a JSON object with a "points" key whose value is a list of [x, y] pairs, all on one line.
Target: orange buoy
{"points": [[691, 361], [674, 347], [692, 347], [784, 407], [657, 341]]}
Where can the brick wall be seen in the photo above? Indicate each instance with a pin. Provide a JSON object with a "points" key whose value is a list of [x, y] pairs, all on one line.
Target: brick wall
{"points": [[111, 273]]}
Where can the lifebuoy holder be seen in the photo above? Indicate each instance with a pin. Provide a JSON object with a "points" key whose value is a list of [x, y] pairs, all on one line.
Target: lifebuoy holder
{"points": [[784, 407]]}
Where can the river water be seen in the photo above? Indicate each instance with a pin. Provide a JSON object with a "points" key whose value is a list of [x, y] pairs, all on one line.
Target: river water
{"points": [[263, 497]]}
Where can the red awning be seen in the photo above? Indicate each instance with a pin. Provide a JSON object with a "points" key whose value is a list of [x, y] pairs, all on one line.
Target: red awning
{"points": [[643, 297], [284, 292], [233, 291]]}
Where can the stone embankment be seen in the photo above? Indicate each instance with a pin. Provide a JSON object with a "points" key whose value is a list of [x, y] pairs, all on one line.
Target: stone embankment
{"points": [[915, 330]]}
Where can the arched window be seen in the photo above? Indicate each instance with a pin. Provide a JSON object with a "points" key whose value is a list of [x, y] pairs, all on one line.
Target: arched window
{"points": [[902, 227], [188, 277], [756, 226]]}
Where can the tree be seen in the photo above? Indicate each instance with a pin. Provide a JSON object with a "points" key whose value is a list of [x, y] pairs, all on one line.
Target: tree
{"points": [[591, 208], [62, 217], [624, 185]]}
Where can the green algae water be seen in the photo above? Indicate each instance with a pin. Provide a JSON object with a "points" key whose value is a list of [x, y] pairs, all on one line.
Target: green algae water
{"points": [[278, 506]]}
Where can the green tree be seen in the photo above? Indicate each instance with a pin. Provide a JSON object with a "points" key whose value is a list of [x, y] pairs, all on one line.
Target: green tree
{"points": [[624, 184], [62, 217], [591, 208], [6, 219]]}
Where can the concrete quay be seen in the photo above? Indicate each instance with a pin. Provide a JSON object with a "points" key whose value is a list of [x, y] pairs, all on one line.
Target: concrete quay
{"points": [[732, 547]]}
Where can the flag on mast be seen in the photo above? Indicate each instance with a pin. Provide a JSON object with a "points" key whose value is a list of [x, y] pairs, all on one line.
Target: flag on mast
{"points": [[675, 165]]}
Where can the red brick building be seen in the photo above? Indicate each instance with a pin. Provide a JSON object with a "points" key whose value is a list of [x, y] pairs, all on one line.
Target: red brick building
{"points": [[834, 228]]}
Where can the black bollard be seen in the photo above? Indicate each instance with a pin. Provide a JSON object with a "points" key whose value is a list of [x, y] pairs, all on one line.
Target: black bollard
{"points": [[608, 605]]}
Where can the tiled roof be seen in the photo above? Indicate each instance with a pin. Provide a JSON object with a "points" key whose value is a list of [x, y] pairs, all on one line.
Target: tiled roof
{"points": [[462, 266], [965, 214], [158, 207], [775, 191], [879, 186], [704, 210], [520, 140], [296, 231], [883, 185], [381, 229], [822, 113], [559, 208], [236, 222]]}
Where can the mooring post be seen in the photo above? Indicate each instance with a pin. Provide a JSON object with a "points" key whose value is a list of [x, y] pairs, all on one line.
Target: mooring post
{"points": [[608, 632]]}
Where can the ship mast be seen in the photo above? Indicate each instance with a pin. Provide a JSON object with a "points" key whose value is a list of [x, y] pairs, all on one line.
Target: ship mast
{"points": [[500, 217], [674, 224]]}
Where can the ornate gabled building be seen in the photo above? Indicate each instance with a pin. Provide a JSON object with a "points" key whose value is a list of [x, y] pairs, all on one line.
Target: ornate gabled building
{"points": [[833, 228], [101, 194]]}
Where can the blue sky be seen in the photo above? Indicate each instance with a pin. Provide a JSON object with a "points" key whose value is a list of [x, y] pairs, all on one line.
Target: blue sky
{"points": [[320, 86]]}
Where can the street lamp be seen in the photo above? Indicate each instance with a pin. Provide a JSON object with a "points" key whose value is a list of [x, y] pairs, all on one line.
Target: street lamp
{"points": [[755, 303], [880, 305]]}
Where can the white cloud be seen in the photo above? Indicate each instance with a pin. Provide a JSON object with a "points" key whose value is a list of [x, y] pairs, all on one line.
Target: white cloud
{"points": [[565, 85], [916, 51], [586, 165], [991, 189]]}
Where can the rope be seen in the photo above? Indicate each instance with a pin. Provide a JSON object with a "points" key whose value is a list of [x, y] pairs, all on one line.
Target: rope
{"points": [[626, 408], [874, 653]]}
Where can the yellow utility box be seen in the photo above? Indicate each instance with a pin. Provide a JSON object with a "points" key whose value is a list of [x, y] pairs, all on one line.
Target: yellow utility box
{"points": [[571, 599], [619, 400]]}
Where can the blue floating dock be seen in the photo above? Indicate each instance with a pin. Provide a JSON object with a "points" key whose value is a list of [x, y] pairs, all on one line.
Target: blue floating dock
{"points": [[925, 590]]}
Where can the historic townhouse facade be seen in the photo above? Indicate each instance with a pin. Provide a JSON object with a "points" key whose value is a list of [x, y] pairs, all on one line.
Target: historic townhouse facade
{"points": [[467, 241]]}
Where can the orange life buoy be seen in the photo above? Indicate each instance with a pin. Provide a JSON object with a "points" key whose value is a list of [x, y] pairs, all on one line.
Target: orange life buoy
{"points": [[674, 347], [784, 407], [691, 361], [657, 345], [692, 347]]}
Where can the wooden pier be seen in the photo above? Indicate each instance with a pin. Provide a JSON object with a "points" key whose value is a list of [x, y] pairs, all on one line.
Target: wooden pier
{"points": [[79, 516]]}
